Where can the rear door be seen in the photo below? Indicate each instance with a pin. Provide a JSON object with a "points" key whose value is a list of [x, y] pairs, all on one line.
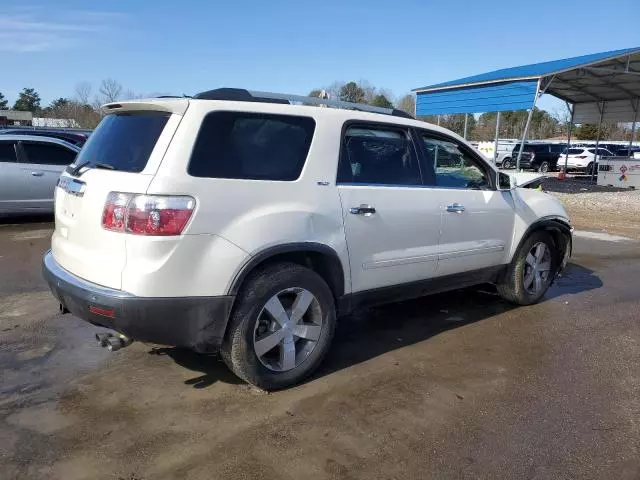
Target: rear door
{"points": [[477, 220], [42, 164], [391, 221], [11, 178], [122, 155]]}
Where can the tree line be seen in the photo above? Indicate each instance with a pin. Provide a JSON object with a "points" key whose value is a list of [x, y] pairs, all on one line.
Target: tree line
{"points": [[83, 110]]}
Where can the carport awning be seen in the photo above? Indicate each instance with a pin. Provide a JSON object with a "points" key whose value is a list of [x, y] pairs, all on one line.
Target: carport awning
{"points": [[607, 82]]}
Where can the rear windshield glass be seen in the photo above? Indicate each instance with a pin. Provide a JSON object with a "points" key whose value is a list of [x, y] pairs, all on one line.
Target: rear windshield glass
{"points": [[124, 140], [251, 146], [576, 151]]}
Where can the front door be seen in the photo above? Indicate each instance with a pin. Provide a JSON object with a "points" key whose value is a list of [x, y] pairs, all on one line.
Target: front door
{"points": [[391, 220], [477, 220]]}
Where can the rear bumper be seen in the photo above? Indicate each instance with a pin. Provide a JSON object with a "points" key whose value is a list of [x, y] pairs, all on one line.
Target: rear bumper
{"points": [[198, 323]]}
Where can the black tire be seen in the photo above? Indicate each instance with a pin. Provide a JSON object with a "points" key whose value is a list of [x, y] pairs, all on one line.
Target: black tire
{"points": [[506, 163], [543, 167], [511, 286], [590, 168], [238, 347]]}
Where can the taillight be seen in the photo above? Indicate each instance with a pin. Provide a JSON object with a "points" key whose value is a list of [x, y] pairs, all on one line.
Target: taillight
{"points": [[581, 156], [147, 214]]}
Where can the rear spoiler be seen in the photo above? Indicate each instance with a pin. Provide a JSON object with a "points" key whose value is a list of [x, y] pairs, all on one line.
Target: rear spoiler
{"points": [[172, 105]]}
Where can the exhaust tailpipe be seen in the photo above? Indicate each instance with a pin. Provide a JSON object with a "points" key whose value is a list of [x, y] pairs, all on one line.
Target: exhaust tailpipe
{"points": [[113, 342]]}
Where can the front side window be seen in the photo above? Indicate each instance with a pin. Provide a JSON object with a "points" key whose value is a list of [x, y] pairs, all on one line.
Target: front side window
{"points": [[378, 156], [251, 146], [454, 168], [47, 154]]}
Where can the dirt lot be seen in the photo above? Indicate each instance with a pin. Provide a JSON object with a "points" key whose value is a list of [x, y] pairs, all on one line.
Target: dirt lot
{"points": [[591, 207], [460, 385]]}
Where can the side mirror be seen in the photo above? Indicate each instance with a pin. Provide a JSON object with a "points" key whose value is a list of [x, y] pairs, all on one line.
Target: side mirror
{"points": [[506, 182]]}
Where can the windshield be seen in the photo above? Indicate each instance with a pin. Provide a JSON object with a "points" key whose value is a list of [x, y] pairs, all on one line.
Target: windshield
{"points": [[124, 141]]}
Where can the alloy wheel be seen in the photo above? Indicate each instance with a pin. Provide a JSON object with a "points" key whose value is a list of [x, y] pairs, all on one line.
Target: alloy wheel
{"points": [[537, 268], [287, 329]]}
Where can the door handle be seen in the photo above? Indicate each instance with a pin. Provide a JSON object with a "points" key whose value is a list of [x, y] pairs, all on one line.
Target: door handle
{"points": [[366, 210], [455, 208], [37, 174]]}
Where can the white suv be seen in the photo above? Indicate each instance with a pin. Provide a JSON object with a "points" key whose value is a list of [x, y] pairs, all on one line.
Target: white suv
{"points": [[238, 222]]}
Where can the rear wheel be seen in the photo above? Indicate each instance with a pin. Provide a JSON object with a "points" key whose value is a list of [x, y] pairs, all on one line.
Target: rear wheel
{"points": [[590, 168], [281, 327], [506, 163], [544, 167], [531, 271]]}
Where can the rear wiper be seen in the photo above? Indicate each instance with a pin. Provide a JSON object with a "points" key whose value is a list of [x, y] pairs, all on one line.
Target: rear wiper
{"points": [[76, 170]]}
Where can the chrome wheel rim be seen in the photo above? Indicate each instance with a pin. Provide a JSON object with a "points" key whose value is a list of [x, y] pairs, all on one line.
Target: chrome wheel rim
{"points": [[537, 268], [287, 329]]}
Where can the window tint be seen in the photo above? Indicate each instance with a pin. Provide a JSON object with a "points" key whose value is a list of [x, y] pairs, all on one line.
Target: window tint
{"points": [[378, 156], [47, 154], [124, 140], [251, 146], [453, 167], [7, 152], [558, 148], [576, 151]]}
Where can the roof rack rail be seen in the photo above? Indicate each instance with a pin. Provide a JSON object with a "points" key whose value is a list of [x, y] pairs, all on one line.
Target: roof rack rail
{"points": [[242, 95]]}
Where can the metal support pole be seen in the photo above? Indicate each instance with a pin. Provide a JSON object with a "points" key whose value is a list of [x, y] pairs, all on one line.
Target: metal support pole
{"points": [[466, 123], [438, 120], [495, 145], [596, 158], [633, 125], [526, 127], [566, 156]]}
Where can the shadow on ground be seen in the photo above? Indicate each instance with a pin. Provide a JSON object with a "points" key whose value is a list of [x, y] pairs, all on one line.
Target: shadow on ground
{"points": [[369, 333], [25, 219]]}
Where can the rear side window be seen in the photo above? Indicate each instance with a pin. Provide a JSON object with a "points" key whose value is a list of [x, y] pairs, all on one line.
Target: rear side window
{"points": [[378, 156], [7, 152], [251, 146], [47, 154], [576, 151], [124, 140]]}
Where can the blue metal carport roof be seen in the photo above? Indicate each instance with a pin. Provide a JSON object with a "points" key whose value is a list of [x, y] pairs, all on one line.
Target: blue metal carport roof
{"points": [[575, 80]]}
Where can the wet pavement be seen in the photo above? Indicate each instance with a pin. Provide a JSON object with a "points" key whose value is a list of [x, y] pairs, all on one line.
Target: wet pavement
{"points": [[459, 385]]}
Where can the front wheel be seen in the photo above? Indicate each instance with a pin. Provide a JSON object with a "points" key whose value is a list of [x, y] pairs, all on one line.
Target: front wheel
{"points": [[281, 326], [531, 271], [506, 163], [544, 167]]}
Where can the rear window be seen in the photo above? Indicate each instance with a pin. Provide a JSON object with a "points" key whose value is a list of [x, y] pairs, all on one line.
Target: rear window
{"points": [[251, 146], [124, 140]]}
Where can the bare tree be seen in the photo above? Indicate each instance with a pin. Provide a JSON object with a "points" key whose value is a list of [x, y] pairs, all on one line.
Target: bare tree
{"points": [[110, 90], [83, 92], [407, 104]]}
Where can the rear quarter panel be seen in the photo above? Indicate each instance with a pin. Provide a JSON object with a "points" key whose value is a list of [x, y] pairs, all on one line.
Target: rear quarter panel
{"points": [[254, 215]]}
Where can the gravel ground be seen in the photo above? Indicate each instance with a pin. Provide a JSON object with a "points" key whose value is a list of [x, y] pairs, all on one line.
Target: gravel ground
{"points": [[593, 207]]}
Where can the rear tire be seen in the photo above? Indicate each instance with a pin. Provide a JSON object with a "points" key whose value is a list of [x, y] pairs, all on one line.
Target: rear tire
{"points": [[544, 167], [506, 163], [255, 326], [528, 277], [590, 168]]}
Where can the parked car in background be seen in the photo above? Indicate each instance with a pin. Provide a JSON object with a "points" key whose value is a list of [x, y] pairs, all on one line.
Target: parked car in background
{"points": [[584, 158], [29, 170], [628, 152], [75, 137], [542, 157]]}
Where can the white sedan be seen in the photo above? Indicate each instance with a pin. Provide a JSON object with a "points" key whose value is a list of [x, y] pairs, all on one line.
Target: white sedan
{"points": [[583, 158]]}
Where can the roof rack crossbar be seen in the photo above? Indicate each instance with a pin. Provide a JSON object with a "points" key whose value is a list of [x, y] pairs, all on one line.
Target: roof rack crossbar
{"points": [[238, 94]]}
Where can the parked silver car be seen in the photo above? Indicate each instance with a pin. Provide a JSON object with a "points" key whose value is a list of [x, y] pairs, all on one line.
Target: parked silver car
{"points": [[29, 170]]}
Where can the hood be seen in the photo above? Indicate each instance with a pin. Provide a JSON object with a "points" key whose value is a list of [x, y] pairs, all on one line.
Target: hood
{"points": [[524, 179]]}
